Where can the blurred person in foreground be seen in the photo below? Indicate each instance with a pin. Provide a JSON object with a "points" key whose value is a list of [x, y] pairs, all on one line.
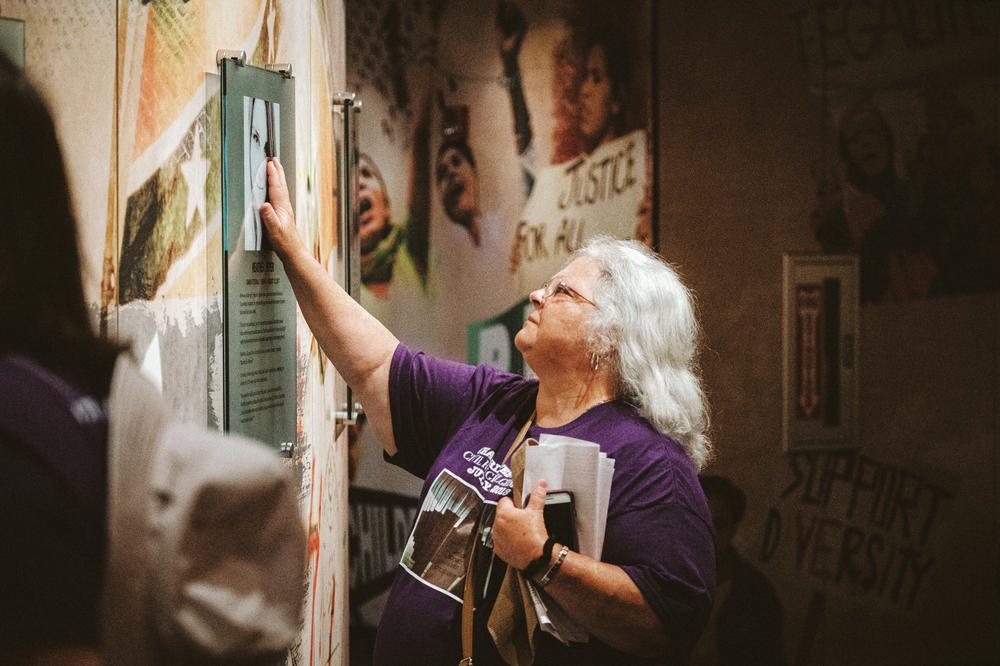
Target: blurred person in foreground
{"points": [[125, 538], [51, 519], [612, 339]]}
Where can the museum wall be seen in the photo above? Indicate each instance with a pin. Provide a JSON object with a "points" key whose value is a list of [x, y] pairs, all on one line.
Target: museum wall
{"points": [[134, 88], [481, 171], [886, 554]]}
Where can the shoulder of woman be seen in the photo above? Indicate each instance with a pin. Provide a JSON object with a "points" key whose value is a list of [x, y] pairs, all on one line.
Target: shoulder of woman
{"points": [[653, 460], [634, 435]]}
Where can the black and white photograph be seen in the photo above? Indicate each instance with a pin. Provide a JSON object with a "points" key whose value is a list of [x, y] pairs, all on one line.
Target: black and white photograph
{"points": [[260, 118]]}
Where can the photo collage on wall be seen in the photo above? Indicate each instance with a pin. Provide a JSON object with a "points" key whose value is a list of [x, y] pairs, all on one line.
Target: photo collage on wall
{"points": [[489, 151]]}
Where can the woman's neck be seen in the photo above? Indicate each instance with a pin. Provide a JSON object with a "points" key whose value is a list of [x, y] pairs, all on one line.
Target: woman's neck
{"points": [[560, 402]]}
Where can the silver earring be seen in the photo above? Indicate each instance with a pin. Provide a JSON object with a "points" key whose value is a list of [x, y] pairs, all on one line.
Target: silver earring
{"points": [[595, 361]]}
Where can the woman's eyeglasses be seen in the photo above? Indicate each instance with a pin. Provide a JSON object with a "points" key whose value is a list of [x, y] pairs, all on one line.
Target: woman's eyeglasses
{"points": [[563, 289]]}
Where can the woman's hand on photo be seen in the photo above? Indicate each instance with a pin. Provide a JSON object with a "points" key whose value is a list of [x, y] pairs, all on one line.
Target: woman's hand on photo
{"points": [[277, 214]]}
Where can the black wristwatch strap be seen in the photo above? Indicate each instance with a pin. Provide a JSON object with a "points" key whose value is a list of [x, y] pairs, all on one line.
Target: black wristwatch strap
{"points": [[543, 561]]}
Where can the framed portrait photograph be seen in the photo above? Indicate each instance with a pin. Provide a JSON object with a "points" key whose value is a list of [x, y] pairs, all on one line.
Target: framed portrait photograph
{"points": [[260, 118], [259, 323], [820, 351]]}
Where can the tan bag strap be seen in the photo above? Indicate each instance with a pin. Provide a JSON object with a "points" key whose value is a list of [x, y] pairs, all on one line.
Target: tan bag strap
{"points": [[469, 593], [468, 606], [520, 438]]}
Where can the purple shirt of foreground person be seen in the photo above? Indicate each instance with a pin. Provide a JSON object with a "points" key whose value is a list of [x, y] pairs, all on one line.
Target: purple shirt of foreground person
{"points": [[453, 425]]}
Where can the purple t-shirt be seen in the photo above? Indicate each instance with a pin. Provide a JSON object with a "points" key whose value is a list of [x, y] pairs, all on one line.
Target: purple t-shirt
{"points": [[53, 450], [453, 425]]}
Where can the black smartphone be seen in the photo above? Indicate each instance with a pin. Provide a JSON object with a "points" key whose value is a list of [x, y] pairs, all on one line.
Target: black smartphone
{"points": [[560, 517]]}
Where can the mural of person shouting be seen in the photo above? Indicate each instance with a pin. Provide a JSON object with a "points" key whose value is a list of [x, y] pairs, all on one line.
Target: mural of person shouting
{"points": [[381, 239], [457, 184]]}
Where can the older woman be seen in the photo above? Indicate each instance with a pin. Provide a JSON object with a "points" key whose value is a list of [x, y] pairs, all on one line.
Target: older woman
{"points": [[612, 340]]}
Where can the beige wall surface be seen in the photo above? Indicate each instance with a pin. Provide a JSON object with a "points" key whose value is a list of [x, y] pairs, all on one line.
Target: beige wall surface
{"points": [[747, 106]]}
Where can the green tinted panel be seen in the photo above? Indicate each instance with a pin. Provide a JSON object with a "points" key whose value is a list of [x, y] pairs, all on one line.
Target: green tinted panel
{"points": [[260, 379], [12, 40]]}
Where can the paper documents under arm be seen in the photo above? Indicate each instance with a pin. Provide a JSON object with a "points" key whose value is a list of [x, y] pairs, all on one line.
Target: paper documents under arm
{"points": [[571, 464]]}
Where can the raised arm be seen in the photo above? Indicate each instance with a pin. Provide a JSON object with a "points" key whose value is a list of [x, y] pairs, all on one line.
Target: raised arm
{"points": [[360, 347], [511, 28]]}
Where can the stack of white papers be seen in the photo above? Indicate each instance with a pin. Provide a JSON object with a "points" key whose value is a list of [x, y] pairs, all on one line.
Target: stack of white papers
{"points": [[570, 464], [553, 619]]}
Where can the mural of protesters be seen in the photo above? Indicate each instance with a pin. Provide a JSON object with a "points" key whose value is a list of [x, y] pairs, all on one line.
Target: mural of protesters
{"points": [[381, 239], [872, 211], [960, 167], [455, 174], [924, 226], [536, 104]]}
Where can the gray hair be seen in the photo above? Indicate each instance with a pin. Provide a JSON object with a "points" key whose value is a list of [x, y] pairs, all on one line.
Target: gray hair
{"points": [[645, 326]]}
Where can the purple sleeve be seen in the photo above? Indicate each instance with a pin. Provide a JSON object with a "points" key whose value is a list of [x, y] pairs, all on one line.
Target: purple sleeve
{"points": [[429, 399], [659, 532]]}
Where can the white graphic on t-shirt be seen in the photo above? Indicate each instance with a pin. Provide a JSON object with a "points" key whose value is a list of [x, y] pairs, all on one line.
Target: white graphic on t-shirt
{"points": [[442, 537], [494, 477]]}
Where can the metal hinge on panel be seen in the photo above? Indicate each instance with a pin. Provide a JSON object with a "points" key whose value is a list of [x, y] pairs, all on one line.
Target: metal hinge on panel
{"points": [[283, 68], [239, 55], [346, 417]]}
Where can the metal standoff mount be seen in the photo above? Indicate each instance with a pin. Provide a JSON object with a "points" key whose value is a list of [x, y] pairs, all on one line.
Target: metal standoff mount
{"points": [[283, 68], [239, 55], [347, 99], [351, 418]]}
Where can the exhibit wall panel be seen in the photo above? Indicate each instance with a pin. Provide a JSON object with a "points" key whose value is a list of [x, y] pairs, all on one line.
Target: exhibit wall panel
{"points": [[135, 92], [491, 168], [70, 57]]}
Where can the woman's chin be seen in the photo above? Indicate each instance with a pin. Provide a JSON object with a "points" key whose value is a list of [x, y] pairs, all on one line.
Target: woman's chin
{"points": [[520, 343]]}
